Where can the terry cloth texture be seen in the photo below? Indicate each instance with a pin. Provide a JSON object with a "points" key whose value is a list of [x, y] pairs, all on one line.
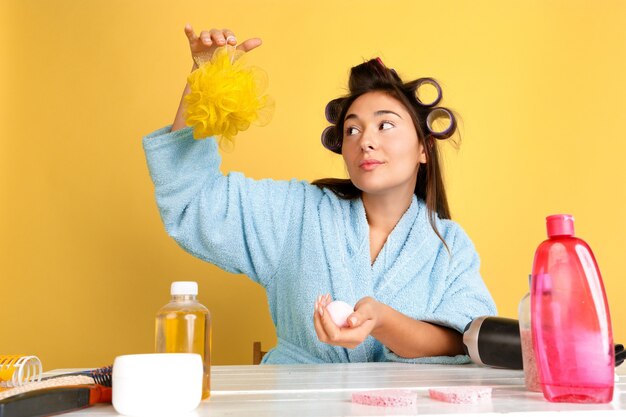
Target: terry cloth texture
{"points": [[299, 241]]}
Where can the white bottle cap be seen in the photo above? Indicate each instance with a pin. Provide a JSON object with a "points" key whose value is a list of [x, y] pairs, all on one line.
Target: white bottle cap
{"points": [[184, 288]]}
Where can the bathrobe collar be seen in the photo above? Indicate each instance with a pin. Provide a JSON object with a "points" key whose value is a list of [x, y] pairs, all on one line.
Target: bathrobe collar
{"points": [[353, 276]]}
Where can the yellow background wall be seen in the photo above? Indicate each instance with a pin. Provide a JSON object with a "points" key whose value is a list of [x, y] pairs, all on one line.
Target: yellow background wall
{"points": [[84, 259]]}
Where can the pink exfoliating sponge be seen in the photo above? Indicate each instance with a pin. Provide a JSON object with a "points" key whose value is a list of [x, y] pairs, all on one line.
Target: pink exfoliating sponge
{"points": [[460, 395], [386, 398], [339, 312]]}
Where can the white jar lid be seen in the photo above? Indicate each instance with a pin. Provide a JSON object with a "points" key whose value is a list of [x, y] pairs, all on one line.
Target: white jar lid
{"points": [[157, 384]]}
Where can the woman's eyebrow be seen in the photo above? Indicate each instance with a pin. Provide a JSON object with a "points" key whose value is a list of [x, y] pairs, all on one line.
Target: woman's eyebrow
{"points": [[376, 113], [381, 112]]}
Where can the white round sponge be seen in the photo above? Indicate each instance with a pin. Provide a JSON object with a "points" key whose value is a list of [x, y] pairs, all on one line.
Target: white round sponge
{"points": [[339, 312]]}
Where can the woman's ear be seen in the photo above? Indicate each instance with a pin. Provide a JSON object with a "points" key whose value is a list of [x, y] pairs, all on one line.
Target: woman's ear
{"points": [[422, 150]]}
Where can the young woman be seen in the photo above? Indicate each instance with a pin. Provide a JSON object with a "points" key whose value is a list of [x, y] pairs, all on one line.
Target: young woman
{"points": [[381, 240]]}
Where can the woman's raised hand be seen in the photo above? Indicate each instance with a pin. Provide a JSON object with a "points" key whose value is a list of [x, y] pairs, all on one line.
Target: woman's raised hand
{"points": [[204, 45], [202, 48]]}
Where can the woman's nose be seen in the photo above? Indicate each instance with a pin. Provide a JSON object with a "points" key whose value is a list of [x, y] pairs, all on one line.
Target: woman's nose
{"points": [[368, 141]]}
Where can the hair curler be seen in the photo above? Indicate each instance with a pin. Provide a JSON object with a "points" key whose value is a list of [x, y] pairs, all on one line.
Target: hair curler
{"points": [[16, 370]]}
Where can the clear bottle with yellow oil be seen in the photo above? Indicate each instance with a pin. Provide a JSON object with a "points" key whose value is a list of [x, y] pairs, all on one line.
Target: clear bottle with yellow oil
{"points": [[184, 326]]}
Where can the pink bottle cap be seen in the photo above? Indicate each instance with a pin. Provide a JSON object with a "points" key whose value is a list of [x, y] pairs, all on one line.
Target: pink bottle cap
{"points": [[560, 225]]}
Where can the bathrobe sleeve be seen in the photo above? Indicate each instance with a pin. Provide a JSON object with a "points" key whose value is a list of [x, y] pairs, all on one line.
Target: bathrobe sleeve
{"points": [[464, 296], [234, 222]]}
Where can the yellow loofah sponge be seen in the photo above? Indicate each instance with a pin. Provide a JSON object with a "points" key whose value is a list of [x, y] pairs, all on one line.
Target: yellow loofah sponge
{"points": [[227, 95]]}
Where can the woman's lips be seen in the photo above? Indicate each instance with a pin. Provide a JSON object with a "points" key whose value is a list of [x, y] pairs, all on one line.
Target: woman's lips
{"points": [[369, 164]]}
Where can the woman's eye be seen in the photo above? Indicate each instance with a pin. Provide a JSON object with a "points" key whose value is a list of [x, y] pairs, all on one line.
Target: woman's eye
{"points": [[351, 131], [386, 125]]}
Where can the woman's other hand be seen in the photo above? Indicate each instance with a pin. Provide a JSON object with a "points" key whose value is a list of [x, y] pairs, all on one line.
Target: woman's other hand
{"points": [[359, 324]]}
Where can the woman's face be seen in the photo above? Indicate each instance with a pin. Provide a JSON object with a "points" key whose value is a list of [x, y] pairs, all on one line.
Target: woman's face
{"points": [[380, 145]]}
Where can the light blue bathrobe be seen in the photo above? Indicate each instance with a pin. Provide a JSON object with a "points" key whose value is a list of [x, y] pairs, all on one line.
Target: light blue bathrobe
{"points": [[299, 241]]}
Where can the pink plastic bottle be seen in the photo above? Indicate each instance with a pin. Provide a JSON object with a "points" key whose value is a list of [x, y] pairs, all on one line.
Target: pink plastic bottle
{"points": [[570, 320]]}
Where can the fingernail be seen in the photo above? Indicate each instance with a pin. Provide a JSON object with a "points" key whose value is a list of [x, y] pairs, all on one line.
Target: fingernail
{"points": [[321, 311], [231, 39], [352, 321]]}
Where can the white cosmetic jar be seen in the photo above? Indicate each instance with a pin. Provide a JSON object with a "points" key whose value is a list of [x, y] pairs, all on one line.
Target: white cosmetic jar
{"points": [[157, 384]]}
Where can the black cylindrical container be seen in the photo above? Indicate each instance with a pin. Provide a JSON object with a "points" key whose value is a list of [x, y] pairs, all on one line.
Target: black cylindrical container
{"points": [[494, 341]]}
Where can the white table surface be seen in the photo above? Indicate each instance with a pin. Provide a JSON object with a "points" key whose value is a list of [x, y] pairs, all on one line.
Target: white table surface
{"points": [[325, 390]]}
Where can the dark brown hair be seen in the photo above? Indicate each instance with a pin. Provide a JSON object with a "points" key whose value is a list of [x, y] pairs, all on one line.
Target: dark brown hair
{"points": [[373, 76]]}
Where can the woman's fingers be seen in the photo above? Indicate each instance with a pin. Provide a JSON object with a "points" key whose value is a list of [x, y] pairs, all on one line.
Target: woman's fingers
{"points": [[325, 328], [230, 37], [217, 36], [190, 33], [355, 319], [317, 320], [250, 44], [214, 38], [205, 37], [319, 329], [326, 299]]}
